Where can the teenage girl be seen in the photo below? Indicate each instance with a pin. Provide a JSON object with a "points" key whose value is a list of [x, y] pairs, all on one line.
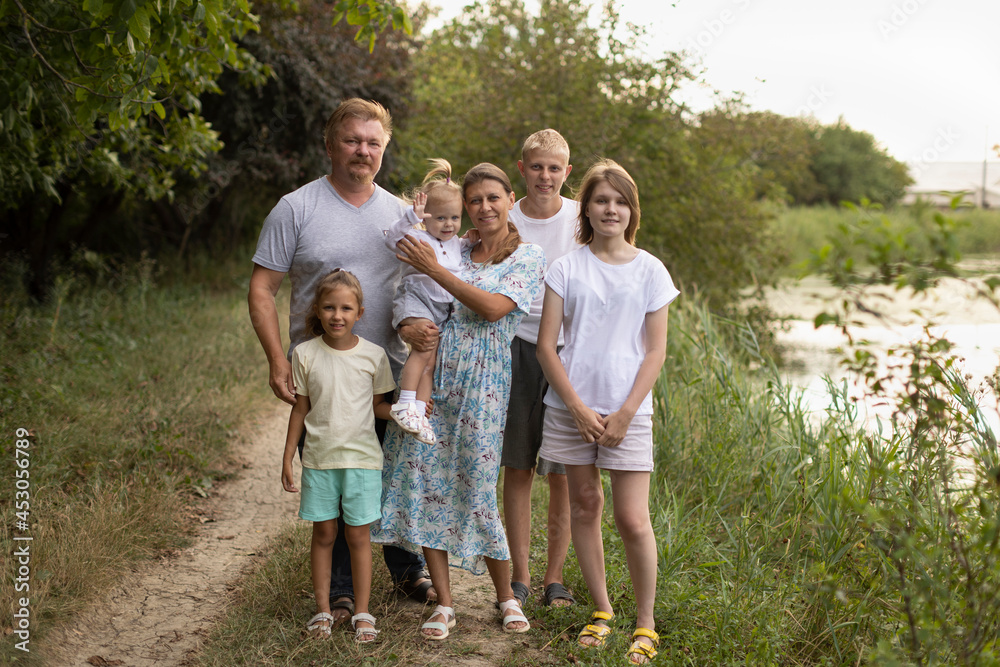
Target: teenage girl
{"points": [[611, 300], [438, 206], [340, 379]]}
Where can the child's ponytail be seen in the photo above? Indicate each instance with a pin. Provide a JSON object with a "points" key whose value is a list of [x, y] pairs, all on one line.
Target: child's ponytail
{"points": [[440, 177]]}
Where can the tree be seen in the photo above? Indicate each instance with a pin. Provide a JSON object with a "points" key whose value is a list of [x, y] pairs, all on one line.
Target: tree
{"points": [[100, 98], [491, 77], [850, 166], [780, 149], [100, 107], [272, 132]]}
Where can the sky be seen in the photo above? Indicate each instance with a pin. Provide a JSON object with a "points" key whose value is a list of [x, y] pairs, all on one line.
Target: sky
{"points": [[921, 76]]}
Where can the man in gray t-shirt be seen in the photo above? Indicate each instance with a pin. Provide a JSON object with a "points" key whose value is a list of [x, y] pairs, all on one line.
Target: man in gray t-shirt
{"points": [[337, 221]]}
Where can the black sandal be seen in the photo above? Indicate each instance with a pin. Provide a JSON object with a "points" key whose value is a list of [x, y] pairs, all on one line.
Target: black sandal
{"points": [[414, 590], [556, 591]]}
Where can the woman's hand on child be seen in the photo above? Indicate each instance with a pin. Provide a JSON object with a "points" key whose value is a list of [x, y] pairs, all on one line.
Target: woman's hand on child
{"points": [[287, 480], [615, 427], [588, 423], [418, 254], [422, 335]]}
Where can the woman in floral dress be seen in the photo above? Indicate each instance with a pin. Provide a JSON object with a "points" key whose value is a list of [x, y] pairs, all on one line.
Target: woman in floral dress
{"points": [[442, 498]]}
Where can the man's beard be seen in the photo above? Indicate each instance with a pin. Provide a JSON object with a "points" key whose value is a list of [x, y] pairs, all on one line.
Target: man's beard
{"points": [[361, 177]]}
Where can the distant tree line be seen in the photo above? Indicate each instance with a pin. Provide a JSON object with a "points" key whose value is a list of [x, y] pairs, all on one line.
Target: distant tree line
{"points": [[129, 125]]}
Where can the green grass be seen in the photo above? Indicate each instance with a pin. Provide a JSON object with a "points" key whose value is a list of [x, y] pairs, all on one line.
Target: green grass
{"points": [[750, 570], [782, 540], [804, 229], [131, 381]]}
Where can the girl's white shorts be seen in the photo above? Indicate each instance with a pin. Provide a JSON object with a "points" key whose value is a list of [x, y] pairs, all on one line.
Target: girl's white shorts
{"points": [[562, 443]]}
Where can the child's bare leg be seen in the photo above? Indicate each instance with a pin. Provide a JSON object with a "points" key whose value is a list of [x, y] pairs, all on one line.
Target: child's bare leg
{"points": [[630, 491], [425, 385], [437, 565], [321, 558], [586, 503], [416, 364], [359, 543], [558, 532]]}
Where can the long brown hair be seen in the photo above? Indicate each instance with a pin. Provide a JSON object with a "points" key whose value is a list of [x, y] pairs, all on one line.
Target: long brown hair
{"points": [[615, 176], [482, 172]]}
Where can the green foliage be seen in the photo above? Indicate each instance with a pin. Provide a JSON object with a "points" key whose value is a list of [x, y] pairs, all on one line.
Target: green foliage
{"points": [[110, 88], [850, 166], [781, 150], [101, 118], [931, 498], [372, 17], [975, 232], [132, 381], [499, 72], [273, 131], [799, 161]]}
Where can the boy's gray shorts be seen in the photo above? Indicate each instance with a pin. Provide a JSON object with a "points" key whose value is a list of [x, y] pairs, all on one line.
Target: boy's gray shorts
{"points": [[522, 437], [413, 301]]}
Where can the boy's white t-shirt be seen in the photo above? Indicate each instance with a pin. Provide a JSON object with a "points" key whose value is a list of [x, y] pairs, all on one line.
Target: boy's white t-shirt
{"points": [[556, 236], [449, 255], [604, 319], [340, 384]]}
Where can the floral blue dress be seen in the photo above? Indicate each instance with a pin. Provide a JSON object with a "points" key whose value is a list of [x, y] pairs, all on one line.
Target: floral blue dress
{"points": [[444, 496]]}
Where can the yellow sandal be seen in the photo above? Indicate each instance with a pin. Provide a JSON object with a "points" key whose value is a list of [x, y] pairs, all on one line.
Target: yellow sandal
{"points": [[642, 648], [598, 632]]}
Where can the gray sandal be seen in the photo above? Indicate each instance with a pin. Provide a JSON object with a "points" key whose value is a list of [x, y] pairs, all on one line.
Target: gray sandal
{"points": [[556, 591]]}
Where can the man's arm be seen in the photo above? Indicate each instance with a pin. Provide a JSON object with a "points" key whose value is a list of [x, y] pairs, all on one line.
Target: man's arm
{"points": [[264, 284]]}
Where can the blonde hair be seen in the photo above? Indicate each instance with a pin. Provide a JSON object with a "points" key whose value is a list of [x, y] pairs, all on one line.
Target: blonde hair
{"points": [[357, 108], [615, 176], [547, 140], [482, 172], [438, 181], [334, 279]]}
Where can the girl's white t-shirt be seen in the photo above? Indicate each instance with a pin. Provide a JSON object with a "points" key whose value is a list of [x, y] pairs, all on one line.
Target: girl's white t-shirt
{"points": [[604, 321]]}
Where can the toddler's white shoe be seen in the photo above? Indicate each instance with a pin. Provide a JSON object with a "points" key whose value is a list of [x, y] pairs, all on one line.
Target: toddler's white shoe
{"points": [[426, 433], [407, 416]]}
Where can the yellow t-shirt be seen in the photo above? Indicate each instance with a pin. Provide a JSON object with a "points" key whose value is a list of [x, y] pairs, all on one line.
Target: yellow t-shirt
{"points": [[340, 384]]}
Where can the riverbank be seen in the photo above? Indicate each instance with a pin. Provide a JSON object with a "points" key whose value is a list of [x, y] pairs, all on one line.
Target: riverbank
{"points": [[954, 309]]}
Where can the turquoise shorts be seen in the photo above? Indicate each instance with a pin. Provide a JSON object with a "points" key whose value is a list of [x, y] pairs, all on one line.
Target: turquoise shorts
{"points": [[324, 492]]}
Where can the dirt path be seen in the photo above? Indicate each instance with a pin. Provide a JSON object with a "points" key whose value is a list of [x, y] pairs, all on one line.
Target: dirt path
{"points": [[160, 614]]}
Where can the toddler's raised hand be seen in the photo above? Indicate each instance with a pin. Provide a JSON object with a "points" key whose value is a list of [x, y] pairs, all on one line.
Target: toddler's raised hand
{"points": [[419, 202]]}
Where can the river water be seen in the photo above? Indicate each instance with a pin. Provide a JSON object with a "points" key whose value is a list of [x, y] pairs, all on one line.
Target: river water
{"points": [[972, 324]]}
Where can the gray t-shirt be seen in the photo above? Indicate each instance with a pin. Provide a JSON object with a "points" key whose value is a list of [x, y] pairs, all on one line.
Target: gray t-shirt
{"points": [[313, 231]]}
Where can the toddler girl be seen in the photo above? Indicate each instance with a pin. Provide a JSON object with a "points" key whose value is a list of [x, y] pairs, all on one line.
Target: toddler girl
{"points": [[438, 205], [611, 300], [340, 379]]}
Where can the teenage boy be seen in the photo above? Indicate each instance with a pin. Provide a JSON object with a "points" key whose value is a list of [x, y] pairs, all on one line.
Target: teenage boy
{"points": [[548, 219]]}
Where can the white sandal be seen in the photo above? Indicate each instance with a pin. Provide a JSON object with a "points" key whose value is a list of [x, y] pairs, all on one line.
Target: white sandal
{"points": [[513, 618], [363, 632], [449, 616], [315, 629]]}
